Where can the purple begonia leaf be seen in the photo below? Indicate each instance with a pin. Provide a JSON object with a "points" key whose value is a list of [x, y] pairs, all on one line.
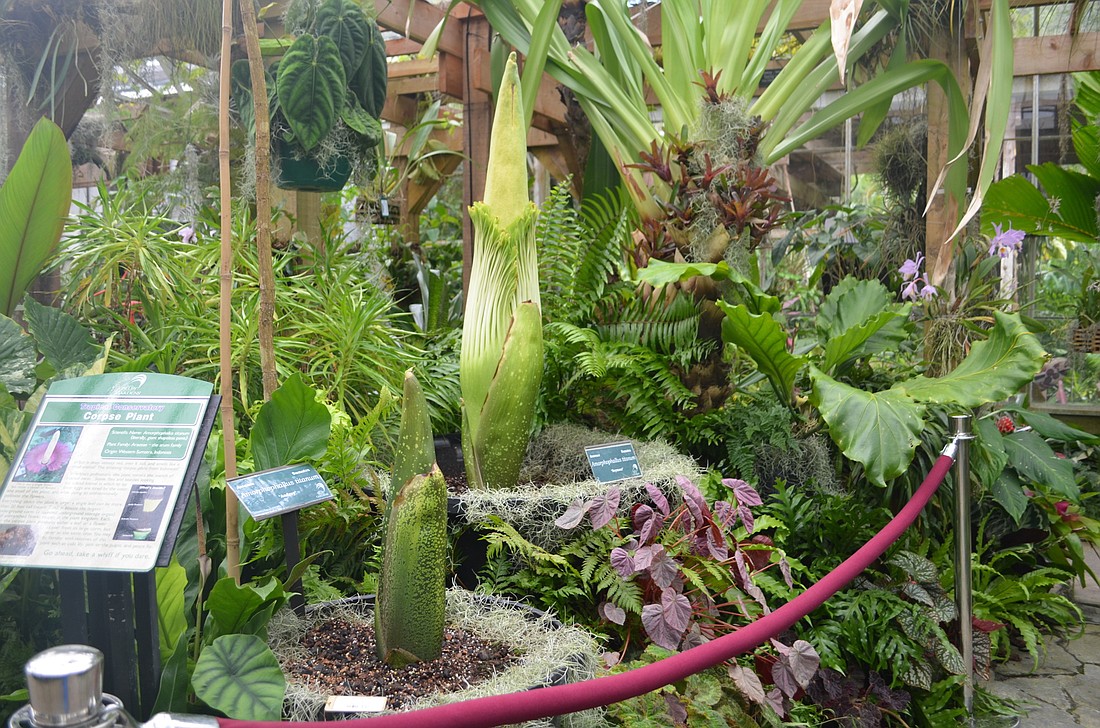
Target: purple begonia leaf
{"points": [[742, 570], [574, 514], [648, 534], [725, 514], [778, 701], [613, 613], [666, 621], [610, 659], [663, 569], [754, 591], [677, 713], [804, 662], [707, 604], [746, 517], [748, 683], [693, 638], [604, 508], [631, 544], [658, 499], [693, 499], [641, 514], [716, 544], [643, 557], [784, 678], [745, 494], [622, 562], [781, 648], [785, 570]]}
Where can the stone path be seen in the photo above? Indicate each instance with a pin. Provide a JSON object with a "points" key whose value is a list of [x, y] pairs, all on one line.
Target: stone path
{"points": [[1064, 691]]}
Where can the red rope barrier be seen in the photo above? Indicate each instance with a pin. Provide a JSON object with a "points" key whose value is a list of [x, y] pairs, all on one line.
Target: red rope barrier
{"points": [[559, 700]]}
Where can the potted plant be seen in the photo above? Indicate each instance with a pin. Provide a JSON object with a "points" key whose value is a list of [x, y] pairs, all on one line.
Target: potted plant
{"points": [[326, 95]]}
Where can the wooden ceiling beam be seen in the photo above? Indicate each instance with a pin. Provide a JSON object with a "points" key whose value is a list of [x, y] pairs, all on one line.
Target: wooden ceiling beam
{"points": [[1056, 54], [416, 19]]}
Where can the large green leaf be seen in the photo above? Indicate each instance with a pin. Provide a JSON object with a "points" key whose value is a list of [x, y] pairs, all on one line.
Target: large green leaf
{"points": [[1052, 428], [1008, 492], [60, 337], [766, 343], [1033, 458], [856, 339], [175, 681], [171, 615], [231, 608], [1016, 202], [659, 273], [989, 456], [17, 358], [34, 201], [345, 23], [238, 675], [881, 430], [994, 369], [852, 302], [311, 88], [291, 427]]}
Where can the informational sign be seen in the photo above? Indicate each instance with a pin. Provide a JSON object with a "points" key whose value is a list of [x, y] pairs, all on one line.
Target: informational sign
{"points": [[279, 490], [97, 477], [615, 462]]}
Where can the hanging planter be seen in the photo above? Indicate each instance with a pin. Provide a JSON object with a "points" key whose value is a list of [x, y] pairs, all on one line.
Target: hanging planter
{"points": [[305, 173]]}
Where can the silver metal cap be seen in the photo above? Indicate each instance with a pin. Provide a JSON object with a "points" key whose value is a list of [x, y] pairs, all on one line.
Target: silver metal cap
{"points": [[65, 685]]}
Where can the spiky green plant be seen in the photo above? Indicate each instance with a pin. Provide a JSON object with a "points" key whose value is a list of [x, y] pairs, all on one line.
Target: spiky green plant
{"points": [[411, 600], [500, 366]]}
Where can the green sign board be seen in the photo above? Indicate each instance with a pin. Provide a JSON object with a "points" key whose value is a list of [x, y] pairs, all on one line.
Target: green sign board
{"points": [[280, 490], [98, 475], [611, 463]]}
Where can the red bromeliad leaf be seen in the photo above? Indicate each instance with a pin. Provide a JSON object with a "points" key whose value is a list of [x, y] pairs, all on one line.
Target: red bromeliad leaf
{"points": [[663, 569], [574, 514], [745, 494], [613, 613], [803, 661], [658, 499], [986, 625], [604, 508], [748, 683], [666, 622], [622, 562]]}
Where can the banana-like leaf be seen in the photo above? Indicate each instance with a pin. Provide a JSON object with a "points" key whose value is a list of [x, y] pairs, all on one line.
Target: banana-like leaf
{"points": [[34, 201], [765, 342], [994, 369], [881, 430], [239, 675], [311, 87], [660, 273], [61, 339], [17, 358], [536, 60], [292, 426], [501, 441]]}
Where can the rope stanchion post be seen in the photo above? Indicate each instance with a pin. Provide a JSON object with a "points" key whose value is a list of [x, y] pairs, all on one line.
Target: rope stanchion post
{"points": [[961, 428]]}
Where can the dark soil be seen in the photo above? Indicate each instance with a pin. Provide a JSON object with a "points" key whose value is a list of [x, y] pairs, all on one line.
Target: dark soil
{"points": [[341, 661]]}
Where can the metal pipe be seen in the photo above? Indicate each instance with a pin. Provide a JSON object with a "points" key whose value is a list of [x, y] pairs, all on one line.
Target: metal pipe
{"points": [[962, 432]]}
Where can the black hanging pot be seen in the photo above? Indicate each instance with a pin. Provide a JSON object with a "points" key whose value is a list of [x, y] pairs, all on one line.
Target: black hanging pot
{"points": [[305, 173]]}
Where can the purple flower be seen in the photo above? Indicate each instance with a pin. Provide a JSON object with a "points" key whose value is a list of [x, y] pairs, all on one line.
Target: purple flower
{"points": [[910, 292], [37, 460], [1005, 241], [187, 234], [928, 292], [911, 268]]}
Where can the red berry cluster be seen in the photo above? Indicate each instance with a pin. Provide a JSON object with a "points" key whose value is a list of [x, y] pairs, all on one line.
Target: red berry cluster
{"points": [[1005, 425]]}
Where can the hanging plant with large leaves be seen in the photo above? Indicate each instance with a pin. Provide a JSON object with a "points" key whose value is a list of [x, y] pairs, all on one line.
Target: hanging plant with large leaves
{"points": [[311, 87]]}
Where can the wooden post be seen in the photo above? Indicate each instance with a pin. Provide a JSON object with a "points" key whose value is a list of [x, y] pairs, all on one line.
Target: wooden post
{"points": [[477, 115], [309, 220]]}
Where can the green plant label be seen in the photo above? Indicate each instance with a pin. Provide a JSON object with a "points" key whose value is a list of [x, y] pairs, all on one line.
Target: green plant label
{"points": [[615, 462], [97, 478], [280, 490]]}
